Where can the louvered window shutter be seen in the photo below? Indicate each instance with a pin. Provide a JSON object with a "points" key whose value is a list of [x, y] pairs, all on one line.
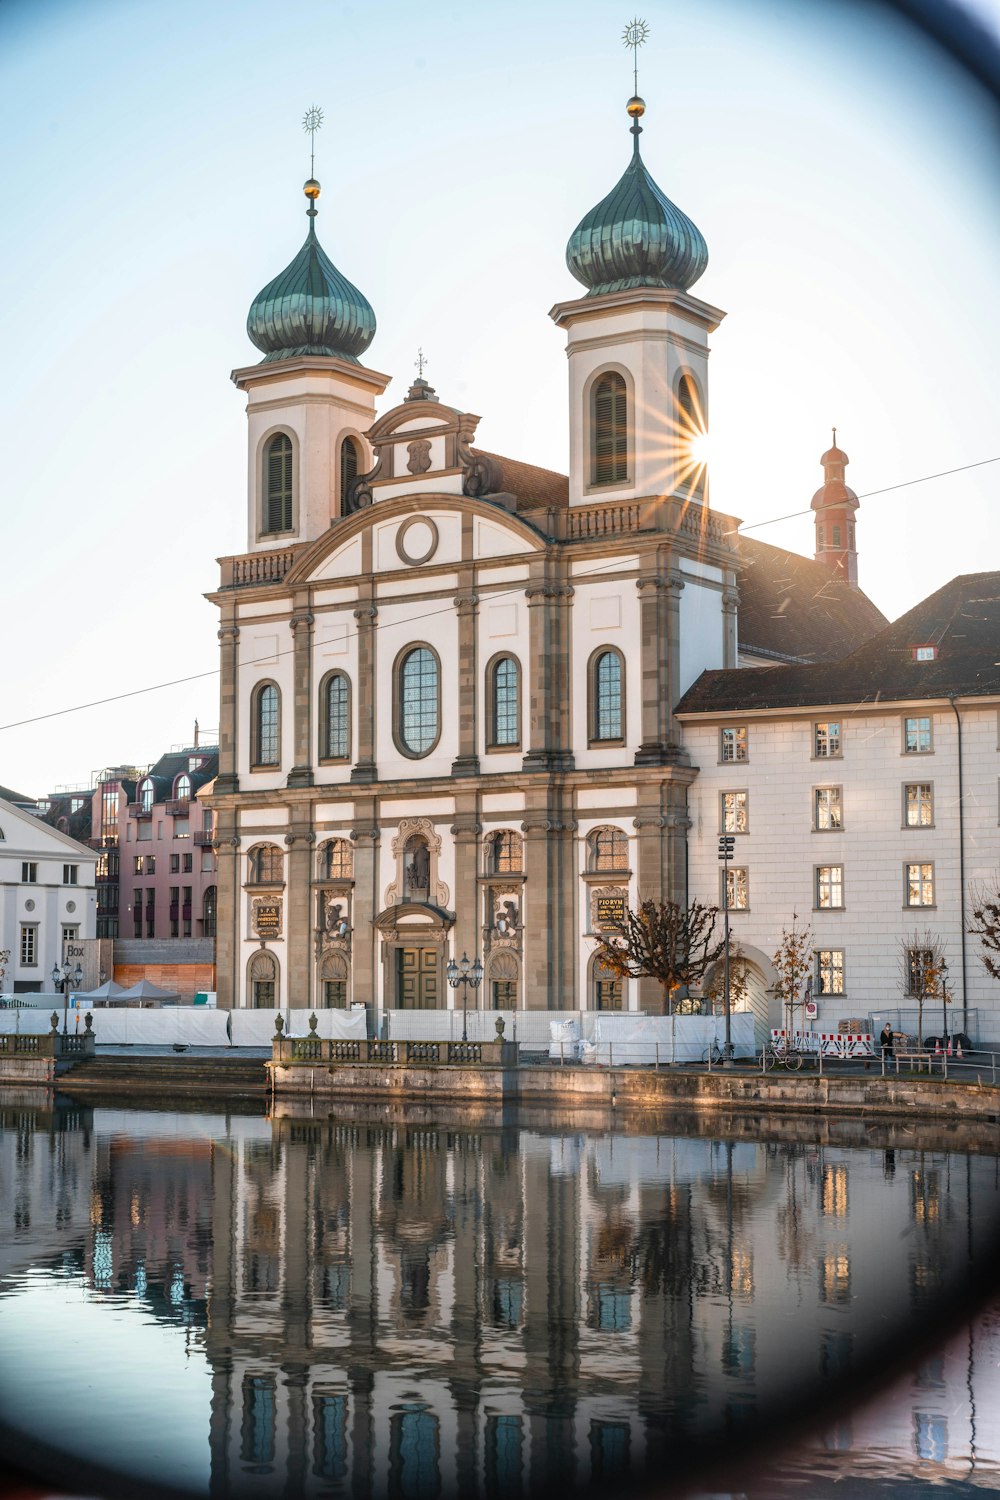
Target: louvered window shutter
{"points": [[278, 504], [348, 471], [610, 431]]}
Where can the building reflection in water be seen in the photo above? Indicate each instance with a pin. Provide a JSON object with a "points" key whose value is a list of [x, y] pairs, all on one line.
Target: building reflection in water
{"points": [[402, 1311]]}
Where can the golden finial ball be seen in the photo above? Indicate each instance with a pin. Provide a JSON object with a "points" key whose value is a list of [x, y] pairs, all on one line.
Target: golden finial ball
{"points": [[636, 107], [311, 189]]}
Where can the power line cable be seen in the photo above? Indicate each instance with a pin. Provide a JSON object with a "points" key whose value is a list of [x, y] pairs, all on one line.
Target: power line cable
{"points": [[157, 687]]}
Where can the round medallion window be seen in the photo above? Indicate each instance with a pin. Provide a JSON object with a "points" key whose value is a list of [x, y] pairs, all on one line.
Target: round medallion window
{"points": [[416, 540], [29, 905], [71, 906]]}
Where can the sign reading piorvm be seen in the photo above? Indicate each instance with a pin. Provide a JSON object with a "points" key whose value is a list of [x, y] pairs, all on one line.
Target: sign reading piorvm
{"points": [[610, 910]]}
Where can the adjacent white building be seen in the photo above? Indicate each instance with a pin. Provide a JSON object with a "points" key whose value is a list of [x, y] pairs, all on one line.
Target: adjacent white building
{"points": [[48, 899]]}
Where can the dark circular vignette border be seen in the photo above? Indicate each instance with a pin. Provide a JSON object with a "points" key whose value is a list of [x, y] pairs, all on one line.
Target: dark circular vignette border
{"points": [[969, 44]]}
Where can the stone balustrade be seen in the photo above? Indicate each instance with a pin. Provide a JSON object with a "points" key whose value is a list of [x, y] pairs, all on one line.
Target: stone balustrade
{"points": [[372, 1052]]}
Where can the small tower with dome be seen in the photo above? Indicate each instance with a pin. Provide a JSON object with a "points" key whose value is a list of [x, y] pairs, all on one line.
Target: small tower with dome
{"points": [[637, 341], [310, 400], [835, 506]]}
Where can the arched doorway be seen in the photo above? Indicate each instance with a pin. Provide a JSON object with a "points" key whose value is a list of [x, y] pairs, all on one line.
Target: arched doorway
{"points": [[414, 938]]}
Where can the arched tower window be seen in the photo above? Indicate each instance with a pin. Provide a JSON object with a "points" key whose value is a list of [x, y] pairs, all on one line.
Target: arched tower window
{"points": [[608, 849], [350, 468], [208, 912], [687, 400], [335, 717], [336, 860], [607, 696], [278, 484], [265, 865], [503, 697], [265, 726], [418, 701], [609, 429]]}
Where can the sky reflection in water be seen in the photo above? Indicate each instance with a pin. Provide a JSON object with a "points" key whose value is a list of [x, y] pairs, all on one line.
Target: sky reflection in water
{"points": [[403, 1309]]}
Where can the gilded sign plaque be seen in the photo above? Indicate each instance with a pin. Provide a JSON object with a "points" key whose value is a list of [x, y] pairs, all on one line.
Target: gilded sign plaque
{"points": [[267, 918], [610, 910]]}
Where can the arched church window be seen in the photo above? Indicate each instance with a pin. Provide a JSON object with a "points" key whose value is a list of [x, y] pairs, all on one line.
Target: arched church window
{"points": [[262, 981], [350, 468], [336, 860], [278, 484], [608, 849], [504, 699], [503, 852], [609, 429], [265, 725], [607, 695], [335, 717], [265, 865], [418, 701], [417, 869], [209, 909]]}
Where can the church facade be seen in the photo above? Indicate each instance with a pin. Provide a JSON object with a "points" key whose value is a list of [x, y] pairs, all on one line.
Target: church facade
{"points": [[449, 677]]}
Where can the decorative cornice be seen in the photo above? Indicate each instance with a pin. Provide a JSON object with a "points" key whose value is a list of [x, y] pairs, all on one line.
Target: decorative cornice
{"points": [[548, 591]]}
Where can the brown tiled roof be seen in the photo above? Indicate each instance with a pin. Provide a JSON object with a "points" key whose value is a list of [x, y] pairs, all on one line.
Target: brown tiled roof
{"points": [[535, 488], [792, 608], [962, 620]]}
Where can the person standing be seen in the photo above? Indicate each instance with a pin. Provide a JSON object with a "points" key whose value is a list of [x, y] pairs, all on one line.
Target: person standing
{"points": [[886, 1040]]}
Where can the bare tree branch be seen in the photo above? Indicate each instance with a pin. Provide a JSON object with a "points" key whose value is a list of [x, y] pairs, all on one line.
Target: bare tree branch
{"points": [[663, 941]]}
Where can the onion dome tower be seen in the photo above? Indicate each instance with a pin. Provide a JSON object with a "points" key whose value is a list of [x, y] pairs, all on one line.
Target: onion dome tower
{"points": [[835, 505], [310, 401], [635, 236], [311, 308]]}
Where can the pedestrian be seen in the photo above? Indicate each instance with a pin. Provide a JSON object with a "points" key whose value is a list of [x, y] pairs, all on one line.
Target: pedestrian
{"points": [[886, 1040]]}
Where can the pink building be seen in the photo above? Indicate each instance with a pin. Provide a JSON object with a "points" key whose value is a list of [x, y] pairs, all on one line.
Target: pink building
{"points": [[167, 864]]}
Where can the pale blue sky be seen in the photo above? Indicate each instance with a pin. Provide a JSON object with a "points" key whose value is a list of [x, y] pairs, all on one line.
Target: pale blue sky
{"points": [[843, 174]]}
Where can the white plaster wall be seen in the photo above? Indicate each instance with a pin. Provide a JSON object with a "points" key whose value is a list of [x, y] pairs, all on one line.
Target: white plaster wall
{"points": [[27, 838], [335, 648], [398, 628], [586, 826], [448, 550], [781, 849], [702, 633], [503, 628], [597, 604], [264, 653]]}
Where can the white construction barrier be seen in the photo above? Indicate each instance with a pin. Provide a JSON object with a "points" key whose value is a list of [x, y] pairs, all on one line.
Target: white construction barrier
{"points": [[255, 1028], [830, 1043], [647, 1041], [529, 1028]]}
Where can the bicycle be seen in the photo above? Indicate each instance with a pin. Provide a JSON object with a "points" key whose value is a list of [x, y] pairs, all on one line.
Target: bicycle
{"points": [[785, 1055], [714, 1055]]}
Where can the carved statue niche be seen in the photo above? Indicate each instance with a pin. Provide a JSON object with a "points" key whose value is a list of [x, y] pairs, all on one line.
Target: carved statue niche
{"points": [[503, 907], [416, 850], [334, 929]]}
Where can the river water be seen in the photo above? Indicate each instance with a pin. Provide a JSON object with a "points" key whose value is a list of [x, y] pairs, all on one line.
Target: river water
{"points": [[401, 1305]]}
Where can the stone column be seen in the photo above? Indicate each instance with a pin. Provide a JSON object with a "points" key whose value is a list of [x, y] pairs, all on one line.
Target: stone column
{"points": [[299, 945], [467, 607], [365, 696], [467, 932], [301, 622], [654, 630], [678, 823], [730, 643], [650, 876], [673, 585], [229, 909], [549, 703], [229, 635], [366, 904], [549, 901]]}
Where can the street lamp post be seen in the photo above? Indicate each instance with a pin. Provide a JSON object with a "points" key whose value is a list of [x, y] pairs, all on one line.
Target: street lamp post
{"points": [[727, 845], [62, 978], [464, 974], [944, 1001]]}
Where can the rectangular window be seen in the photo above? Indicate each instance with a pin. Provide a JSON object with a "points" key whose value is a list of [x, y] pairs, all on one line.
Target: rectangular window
{"points": [[70, 873], [735, 812], [187, 864], [733, 743], [70, 934], [918, 804], [924, 653], [920, 971], [826, 739], [29, 945], [829, 887], [137, 864], [919, 885], [917, 736], [736, 889], [29, 872], [207, 861], [175, 864], [828, 809], [830, 971], [150, 864]]}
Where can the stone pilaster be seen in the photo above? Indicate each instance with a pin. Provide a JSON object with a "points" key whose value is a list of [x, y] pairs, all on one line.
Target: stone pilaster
{"points": [[466, 933], [228, 911], [365, 905], [298, 915], [467, 608], [229, 636], [549, 598], [730, 644], [677, 829], [651, 876], [654, 668], [673, 585], [365, 694], [302, 622], [550, 895]]}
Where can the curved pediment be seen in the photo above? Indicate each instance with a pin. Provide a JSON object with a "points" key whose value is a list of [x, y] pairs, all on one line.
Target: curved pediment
{"points": [[413, 531]]}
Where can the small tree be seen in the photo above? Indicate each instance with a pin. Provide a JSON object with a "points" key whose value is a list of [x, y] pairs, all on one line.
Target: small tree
{"points": [[921, 960], [739, 981], [986, 924], [663, 941], [793, 961]]}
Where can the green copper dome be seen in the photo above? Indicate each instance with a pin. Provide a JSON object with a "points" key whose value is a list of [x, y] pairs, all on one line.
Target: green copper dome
{"points": [[311, 308], [636, 236]]}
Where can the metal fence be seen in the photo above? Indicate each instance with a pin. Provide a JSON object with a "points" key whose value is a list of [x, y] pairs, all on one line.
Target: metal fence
{"points": [[905, 1018]]}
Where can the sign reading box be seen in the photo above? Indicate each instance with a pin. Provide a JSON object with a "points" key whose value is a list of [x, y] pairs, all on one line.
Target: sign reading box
{"points": [[267, 918], [610, 910]]}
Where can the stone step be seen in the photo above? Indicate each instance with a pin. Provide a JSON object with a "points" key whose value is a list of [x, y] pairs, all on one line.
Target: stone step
{"points": [[171, 1074]]}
